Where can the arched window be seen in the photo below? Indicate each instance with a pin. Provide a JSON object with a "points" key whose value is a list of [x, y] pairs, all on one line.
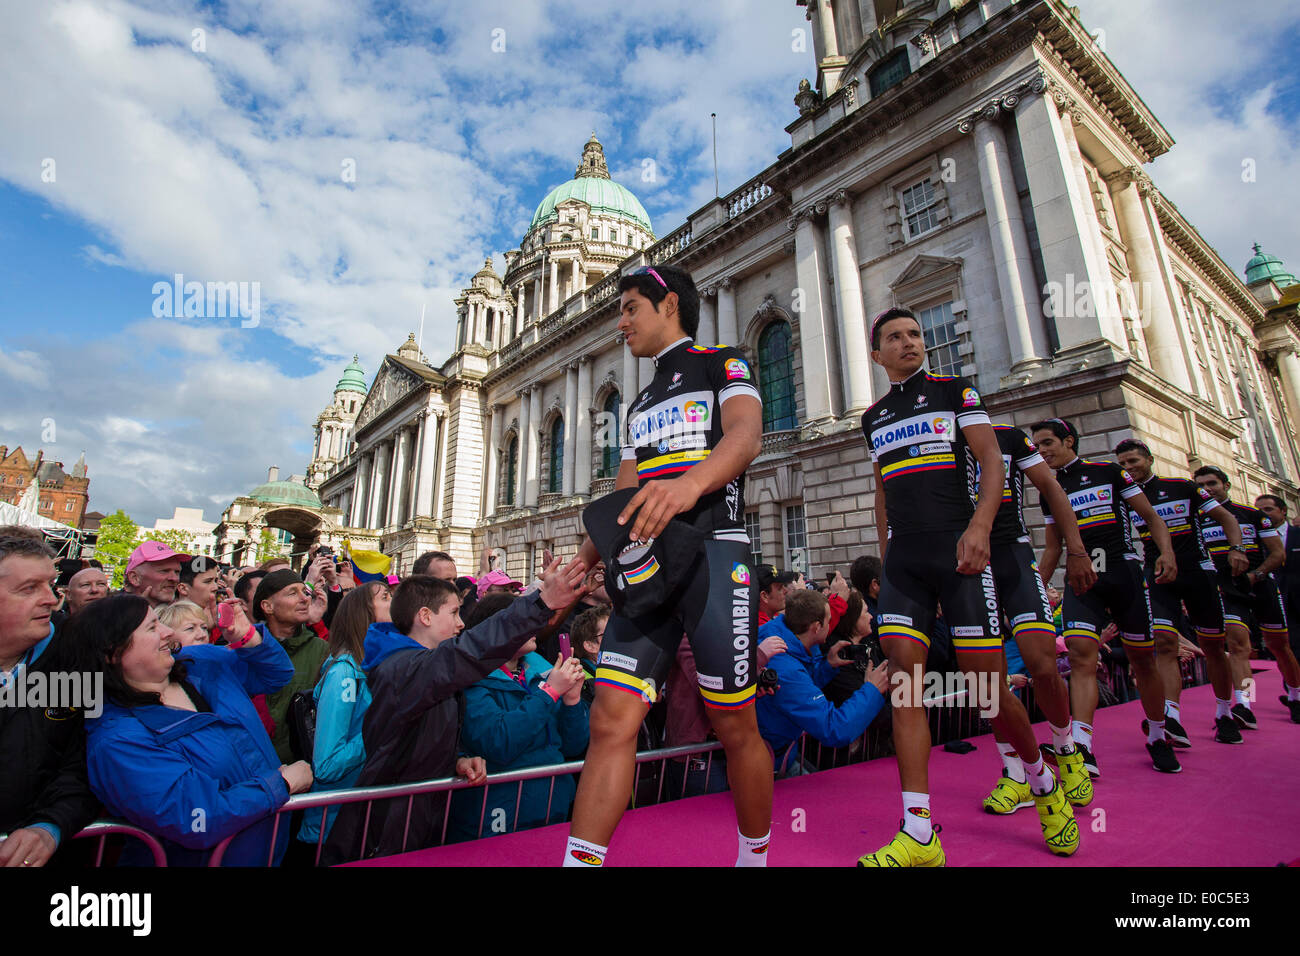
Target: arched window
{"points": [[776, 377], [555, 481], [610, 435], [512, 469]]}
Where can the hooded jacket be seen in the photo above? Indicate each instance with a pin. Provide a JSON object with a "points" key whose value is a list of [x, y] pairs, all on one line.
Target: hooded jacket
{"points": [[799, 706], [342, 697], [512, 727], [307, 652], [412, 726], [196, 778]]}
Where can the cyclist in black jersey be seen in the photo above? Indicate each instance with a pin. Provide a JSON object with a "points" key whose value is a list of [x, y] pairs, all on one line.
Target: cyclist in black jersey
{"points": [[1022, 594], [1101, 494], [1253, 592], [925, 437], [1185, 508], [692, 432], [1274, 508]]}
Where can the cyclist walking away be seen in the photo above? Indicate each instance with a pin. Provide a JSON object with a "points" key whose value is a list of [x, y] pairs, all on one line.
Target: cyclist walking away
{"points": [[1101, 494]]}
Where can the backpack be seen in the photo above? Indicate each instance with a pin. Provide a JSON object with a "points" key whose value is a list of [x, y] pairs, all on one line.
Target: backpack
{"points": [[302, 719]]}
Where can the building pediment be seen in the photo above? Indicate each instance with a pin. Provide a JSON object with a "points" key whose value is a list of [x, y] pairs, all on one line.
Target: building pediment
{"points": [[924, 273], [392, 383]]}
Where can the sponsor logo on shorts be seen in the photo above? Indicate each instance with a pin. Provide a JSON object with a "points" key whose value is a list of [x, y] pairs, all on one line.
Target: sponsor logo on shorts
{"points": [[969, 398], [618, 660], [1024, 618], [740, 625], [740, 574], [737, 369], [712, 683], [991, 603], [582, 856], [968, 632], [895, 619]]}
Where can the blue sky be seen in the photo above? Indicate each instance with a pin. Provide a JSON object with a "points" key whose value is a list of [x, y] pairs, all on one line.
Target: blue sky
{"points": [[224, 163]]}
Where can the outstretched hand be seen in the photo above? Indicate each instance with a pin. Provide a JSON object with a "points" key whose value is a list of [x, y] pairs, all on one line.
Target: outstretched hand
{"points": [[561, 586]]}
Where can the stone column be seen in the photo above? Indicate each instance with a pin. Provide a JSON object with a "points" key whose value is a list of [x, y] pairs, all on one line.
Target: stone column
{"points": [[810, 269], [493, 462], [429, 463], [401, 448], [440, 486], [1158, 320], [525, 427], [1011, 260], [1089, 225], [519, 311], [826, 21], [727, 332], [570, 431], [534, 423], [848, 288], [581, 424], [575, 286], [630, 386], [553, 300], [378, 482], [360, 487], [537, 295], [1288, 368], [708, 331]]}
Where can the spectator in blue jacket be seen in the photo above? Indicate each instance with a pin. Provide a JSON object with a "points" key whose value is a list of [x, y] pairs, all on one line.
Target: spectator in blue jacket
{"points": [[179, 749], [342, 696], [799, 705], [526, 713]]}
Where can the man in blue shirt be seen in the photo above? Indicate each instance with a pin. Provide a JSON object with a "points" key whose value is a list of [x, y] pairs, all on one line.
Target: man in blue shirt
{"points": [[799, 706]]}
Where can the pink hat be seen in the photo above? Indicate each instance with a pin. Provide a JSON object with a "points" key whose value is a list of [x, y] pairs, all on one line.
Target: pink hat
{"points": [[496, 578], [149, 552]]}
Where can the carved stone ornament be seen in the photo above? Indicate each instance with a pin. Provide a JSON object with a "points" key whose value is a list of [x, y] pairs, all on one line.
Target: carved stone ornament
{"points": [[768, 305], [839, 198], [1034, 86], [391, 385], [806, 99]]}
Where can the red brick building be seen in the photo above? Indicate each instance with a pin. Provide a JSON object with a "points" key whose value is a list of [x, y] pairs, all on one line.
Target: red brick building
{"points": [[63, 496]]}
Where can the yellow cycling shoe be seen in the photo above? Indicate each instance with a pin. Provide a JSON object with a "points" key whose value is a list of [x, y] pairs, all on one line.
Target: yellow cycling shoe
{"points": [[1057, 819], [1008, 796], [903, 850], [1074, 778]]}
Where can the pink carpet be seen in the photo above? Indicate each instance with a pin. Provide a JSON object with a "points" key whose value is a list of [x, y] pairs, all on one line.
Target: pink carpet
{"points": [[1209, 815]]}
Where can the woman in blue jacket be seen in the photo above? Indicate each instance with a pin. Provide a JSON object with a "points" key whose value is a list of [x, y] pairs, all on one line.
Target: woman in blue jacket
{"points": [[342, 696], [179, 749], [527, 713]]}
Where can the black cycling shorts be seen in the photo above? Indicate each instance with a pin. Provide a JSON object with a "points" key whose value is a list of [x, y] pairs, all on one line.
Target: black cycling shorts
{"points": [[1120, 595], [717, 609], [1196, 589], [1264, 602], [920, 573], [1021, 593]]}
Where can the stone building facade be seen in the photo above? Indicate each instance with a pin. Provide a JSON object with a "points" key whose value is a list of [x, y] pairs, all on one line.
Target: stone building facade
{"points": [[981, 163], [62, 497]]}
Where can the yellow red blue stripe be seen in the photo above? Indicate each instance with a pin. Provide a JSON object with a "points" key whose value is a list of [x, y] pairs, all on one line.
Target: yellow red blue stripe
{"points": [[626, 682], [904, 632], [733, 701], [911, 466], [643, 573], [670, 464]]}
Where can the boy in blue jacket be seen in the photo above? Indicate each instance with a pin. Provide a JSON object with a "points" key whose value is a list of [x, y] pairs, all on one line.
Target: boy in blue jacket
{"points": [[799, 706]]}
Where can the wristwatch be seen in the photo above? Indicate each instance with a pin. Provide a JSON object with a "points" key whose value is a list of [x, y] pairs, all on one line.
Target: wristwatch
{"points": [[1236, 547]]}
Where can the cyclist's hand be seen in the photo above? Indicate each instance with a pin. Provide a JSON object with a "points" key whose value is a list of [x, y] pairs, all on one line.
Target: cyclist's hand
{"points": [[657, 503], [973, 551], [1080, 573]]}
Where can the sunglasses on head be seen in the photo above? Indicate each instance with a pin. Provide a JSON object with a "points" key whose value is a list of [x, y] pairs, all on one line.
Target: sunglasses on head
{"points": [[649, 271]]}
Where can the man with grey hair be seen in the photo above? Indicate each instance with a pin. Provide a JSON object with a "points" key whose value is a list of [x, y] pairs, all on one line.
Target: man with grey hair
{"points": [[45, 796]]}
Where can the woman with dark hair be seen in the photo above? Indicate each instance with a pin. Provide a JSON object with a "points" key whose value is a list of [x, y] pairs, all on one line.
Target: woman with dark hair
{"points": [[178, 749], [342, 697], [854, 627]]}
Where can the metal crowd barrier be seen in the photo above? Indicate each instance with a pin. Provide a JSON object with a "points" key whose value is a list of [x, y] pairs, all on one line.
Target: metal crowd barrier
{"points": [[954, 721], [103, 829]]}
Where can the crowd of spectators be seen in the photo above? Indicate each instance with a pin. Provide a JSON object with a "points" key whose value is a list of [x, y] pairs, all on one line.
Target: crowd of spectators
{"points": [[226, 690]]}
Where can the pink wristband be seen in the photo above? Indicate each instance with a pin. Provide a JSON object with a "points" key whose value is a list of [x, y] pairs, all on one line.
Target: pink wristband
{"points": [[550, 691], [244, 640]]}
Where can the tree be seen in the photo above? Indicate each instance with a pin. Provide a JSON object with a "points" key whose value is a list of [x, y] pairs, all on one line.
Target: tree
{"points": [[267, 546], [118, 537], [179, 541]]}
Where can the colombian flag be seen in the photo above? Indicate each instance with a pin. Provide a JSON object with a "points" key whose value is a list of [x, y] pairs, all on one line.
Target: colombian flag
{"points": [[368, 565]]}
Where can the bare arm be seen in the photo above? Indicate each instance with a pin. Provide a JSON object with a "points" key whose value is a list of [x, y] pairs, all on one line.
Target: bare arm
{"points": [[1078, 565], [973, 547], [1275, 558], [882, 519], [1051, 553]]}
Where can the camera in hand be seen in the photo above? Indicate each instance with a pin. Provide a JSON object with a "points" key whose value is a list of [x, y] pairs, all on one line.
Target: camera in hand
{"points": [[856, 653], [768, 679]]}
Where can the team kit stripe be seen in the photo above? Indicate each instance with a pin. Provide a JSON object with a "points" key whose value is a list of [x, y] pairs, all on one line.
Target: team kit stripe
{"points": [[909, 466], [1033, 628], [732, 701], [1094, 521], [669, 464], [633, 685], [643, 573], [977, 644], [904, 632], [1081, 632]]}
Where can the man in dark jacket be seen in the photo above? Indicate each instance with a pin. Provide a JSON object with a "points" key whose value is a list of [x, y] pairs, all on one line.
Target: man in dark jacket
{"points": [[416, 668], [45, 796]]}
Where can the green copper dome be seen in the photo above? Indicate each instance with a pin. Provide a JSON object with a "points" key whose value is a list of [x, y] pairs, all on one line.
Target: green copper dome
{"points": [[604, 196], [1263, 266], [354, 378], [286, 493]]}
